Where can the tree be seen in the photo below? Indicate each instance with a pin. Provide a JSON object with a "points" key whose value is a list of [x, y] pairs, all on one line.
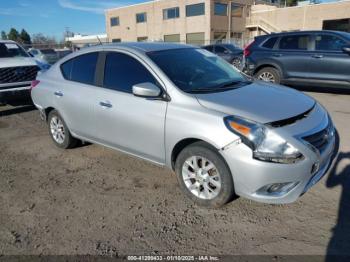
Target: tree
{"points": [[3, 35], [25, 37], [39, 40], [13, 35]]}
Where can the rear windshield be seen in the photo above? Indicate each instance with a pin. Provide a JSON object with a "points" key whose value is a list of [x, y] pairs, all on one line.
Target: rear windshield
{"points": [[48, 51], [231, 47], [11, 50]]}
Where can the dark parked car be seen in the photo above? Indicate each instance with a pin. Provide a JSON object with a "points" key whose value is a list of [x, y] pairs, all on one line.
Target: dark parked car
{"points": [[313, 58], [229, 52]]}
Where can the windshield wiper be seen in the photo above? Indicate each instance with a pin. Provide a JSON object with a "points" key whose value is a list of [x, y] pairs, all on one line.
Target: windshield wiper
{"points": [[222, 87]]}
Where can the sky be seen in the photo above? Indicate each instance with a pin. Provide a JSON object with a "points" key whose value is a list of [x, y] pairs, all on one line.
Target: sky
{"points": [[51, 17]]}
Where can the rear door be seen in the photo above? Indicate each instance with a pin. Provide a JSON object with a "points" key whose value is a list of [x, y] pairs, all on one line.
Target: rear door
{"points": [[124, 121], [74, 96], [293, 55], [328, 61]]}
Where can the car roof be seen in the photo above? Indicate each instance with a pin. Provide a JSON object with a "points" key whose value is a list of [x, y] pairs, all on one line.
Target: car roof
{"points": [[144, 47], [303, 32], [7, 42]]}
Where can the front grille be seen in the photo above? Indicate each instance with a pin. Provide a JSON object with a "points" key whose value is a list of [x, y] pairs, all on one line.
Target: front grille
{"points": [[320, 139], [18, 74]]}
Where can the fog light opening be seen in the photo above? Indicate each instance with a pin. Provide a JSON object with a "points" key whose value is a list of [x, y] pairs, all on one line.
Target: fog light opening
{"points": [[277, 189]]}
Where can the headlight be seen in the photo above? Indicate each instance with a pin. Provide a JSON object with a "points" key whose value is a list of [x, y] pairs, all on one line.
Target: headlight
{"points": [[266, 145]]}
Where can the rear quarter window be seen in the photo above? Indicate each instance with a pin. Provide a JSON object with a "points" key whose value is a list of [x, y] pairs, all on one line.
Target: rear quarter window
{"points": [[270, 43]]}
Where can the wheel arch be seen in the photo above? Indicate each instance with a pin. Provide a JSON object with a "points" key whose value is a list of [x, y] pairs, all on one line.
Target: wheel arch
{"points": [[273, 65], [179, 146]]}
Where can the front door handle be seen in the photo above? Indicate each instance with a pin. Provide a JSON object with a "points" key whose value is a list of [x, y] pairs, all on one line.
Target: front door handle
{"points": [[317, 56], [106, 104], [58, 94], [277, 55]]}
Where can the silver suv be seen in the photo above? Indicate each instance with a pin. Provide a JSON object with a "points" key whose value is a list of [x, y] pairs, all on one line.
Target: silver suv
{"points": [[187, 109]]}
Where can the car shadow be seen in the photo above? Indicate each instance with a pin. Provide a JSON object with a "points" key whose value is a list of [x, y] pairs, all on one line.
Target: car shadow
{"points": [[328, 90], [16, 107], [339, 245]]}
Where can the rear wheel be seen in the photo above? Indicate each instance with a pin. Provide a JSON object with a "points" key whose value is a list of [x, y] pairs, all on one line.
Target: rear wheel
{"points": [[269, 74], [59, 132], [204, 176]]}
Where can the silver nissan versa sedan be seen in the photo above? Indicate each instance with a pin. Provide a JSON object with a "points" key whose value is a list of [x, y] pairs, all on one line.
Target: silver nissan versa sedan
{"points": [[185, 108]]}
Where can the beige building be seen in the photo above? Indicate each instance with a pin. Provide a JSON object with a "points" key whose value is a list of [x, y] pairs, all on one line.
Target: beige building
{"points": [[328, 16], [187, 21], [205, 21]]}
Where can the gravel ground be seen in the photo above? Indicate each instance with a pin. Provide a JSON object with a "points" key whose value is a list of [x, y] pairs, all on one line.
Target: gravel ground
{"points": [[92, 200]]}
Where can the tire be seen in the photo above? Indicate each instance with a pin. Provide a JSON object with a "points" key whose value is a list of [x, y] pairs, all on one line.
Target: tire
{"points": [[216, 196], [56, 125], [237, 62], [269, 74]]}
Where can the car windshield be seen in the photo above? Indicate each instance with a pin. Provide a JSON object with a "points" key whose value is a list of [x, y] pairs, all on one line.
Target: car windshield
{"points": [[48, 51], [11, 50], [197, 70], [346, 35]]}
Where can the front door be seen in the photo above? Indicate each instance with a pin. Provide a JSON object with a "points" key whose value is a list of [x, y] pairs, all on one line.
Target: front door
{"points": [[328, 61], [124, 121]]}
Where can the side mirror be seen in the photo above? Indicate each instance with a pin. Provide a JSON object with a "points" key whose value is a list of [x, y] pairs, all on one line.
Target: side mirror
{"points": [[346, 49], [147, 90]]}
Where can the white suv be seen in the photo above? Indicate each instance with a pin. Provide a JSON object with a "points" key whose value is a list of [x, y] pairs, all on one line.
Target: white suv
{"points": [[17, 68]]}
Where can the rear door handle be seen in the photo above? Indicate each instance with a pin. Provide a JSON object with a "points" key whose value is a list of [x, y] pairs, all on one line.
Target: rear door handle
{"points": [[58, 94], [317, 56], [277, 55], [106, 104]]}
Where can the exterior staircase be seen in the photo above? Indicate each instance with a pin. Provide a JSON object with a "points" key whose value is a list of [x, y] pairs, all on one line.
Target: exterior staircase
{"points": [[261, 24]]}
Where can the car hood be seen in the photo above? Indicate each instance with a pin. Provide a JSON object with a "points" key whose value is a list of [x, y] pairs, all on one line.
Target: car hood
{"points": [[17, 61], [259, 101]]}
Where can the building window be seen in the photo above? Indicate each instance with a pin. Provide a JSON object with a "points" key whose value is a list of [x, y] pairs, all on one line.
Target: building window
{"points": [[195, 38], [142, 39], [116, 40], [171, 13], [195, 10], [172, 38], [141, 18], [220, 9], [236, 10], [114, 21]]}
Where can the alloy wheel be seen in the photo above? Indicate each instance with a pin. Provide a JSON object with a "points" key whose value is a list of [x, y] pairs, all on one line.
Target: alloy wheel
{"points": [[201, 177], [267, 77], [57, 129]]}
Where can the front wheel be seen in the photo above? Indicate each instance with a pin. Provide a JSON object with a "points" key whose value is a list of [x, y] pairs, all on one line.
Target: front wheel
{"points": [[204, 176], [269, 74], [59, 131], [237, 62]]}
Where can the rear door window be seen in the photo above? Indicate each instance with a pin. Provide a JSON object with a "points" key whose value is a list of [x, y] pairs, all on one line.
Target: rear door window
{"points": [[122, 72], [81, 68], [294, 42], [329, 43]]}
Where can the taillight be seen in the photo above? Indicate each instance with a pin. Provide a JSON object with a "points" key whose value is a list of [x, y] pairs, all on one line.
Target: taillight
{"points": [[247, 52], [34, 84]]}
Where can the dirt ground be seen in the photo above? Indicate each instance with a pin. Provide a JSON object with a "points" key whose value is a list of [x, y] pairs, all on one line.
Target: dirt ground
{"points": [[92, 200]]}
